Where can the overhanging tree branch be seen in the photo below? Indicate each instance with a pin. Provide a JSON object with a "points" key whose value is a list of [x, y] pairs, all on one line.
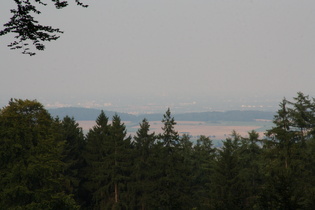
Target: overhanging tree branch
{"points": [[27, 29]]}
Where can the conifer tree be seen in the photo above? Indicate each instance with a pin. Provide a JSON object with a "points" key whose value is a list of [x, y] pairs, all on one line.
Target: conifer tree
{"points": [[250, 164], [203, 166], [95, 185], [169, 137], [185, 174], [302, 116], [107, 155], [168, 183], [285, 156], [120, 159], [142, 168], [309, 181], [226, 186], [72, 155]]}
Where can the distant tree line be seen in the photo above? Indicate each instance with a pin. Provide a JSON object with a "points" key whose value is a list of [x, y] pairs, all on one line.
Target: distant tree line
{"points": [[48, 163]]}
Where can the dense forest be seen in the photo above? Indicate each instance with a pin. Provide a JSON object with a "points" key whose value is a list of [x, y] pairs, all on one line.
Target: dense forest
{"points": [[48, 163]]}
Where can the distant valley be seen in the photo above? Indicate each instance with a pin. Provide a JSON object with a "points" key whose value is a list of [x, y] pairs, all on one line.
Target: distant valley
{"points": [[88, 114], [217, 125]]}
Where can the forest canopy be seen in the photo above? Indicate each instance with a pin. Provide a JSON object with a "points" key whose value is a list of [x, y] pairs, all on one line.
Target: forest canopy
{"points": [[48, 163]]}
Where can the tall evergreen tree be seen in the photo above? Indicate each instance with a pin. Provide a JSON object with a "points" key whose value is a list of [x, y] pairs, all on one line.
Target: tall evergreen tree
{"points": [[309, 181], [250, 164], [169, 137], [142, 170], [227, 188], [72, 155], [185, 174], [95, 183], [169, 163], [203, 166], [302, 115], [285, 156], [120, 159], [108, 159]]}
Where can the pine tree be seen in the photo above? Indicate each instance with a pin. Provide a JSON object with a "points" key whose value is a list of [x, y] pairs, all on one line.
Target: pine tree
{"points": [[226, 187], [95, 185], [120, 159], [250, 164], [169, 164], [285, 156], [142, 168], [169, 137], [72, 155], [309, 180], [203, 166], [302, 115], [185, 172]]}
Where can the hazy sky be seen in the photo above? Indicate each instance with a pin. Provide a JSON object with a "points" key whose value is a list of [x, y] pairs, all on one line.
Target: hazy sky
{"points": [[169, 51]]}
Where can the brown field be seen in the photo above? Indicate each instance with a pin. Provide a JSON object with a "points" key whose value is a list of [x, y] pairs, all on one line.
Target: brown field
{"points": [[190, 127], [201, 128]]}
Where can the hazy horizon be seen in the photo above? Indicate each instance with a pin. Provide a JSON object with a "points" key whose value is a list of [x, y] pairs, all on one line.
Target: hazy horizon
{"points": [[147, 105], [187, 55]]}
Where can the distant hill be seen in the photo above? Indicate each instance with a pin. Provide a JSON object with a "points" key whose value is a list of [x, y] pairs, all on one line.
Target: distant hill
{"points": [[81, 114], [235, 115]]}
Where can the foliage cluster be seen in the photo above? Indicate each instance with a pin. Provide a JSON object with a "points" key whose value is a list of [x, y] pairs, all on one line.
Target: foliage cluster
{"points": [[48, 163], [28, 30]]}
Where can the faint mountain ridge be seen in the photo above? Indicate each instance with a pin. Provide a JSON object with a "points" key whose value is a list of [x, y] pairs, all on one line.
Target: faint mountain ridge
{"points": [[87, 114]]}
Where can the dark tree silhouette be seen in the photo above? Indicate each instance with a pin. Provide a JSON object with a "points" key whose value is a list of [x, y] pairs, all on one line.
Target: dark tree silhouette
{"points": [[27, 29]]}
